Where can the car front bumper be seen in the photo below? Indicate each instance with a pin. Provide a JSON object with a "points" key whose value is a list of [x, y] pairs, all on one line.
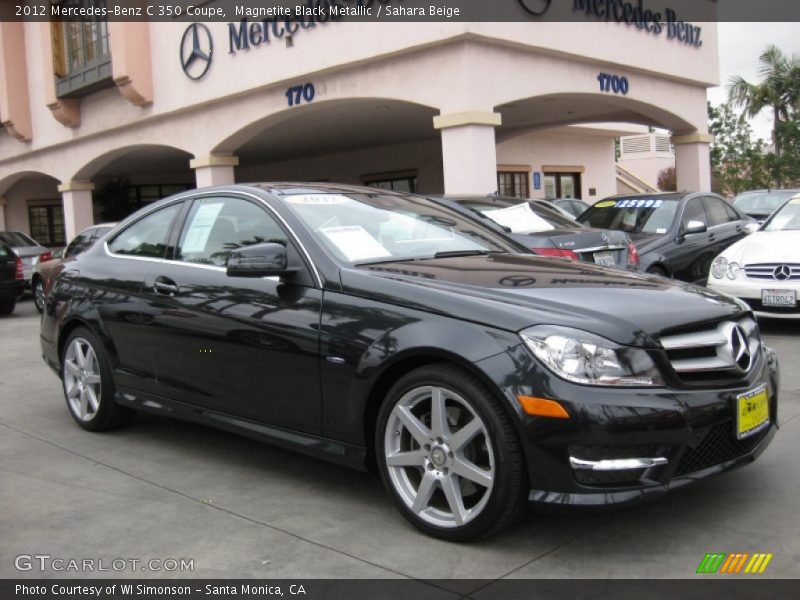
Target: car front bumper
{"points": [[750, 291], [690, 431]]}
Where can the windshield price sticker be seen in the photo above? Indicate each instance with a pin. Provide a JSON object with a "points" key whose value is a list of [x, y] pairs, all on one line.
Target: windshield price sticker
{"points": [[651, 203]]}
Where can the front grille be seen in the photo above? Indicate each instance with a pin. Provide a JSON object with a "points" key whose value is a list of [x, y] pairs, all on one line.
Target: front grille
{"points": [[719, 445], [773, 271], [712, 352]]}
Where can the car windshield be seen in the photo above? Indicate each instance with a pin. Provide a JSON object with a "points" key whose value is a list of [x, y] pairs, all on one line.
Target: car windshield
{"points": [[16, 239], [634, 215], [787, 218], [362, 228], [762, 202]]}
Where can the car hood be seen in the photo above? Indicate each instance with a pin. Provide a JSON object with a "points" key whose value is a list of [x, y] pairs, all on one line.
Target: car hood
{"points": [[515, 291], [766, 247]]}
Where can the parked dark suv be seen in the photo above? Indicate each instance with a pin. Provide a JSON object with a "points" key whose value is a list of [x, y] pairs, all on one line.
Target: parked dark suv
{"points": [[374, 328], [677, 234]]}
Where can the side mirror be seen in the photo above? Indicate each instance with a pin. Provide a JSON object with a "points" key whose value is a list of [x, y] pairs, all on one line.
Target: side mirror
{"points": [[259, 260], [752, 227], [695, 227]]}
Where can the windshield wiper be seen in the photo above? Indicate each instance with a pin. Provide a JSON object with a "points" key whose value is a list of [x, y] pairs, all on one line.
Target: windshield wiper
{"points": [[455, 253]]}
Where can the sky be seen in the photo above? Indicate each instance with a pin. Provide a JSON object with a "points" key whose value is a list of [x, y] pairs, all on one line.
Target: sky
{"points": [[740, 45]]}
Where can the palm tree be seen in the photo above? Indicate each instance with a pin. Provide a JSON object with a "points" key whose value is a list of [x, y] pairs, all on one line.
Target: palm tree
{"points": [[778, 90]]}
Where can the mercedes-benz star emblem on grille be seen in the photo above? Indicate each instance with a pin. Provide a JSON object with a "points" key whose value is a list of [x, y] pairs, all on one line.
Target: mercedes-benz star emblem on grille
{"points": [[782, 272], [197, 50], [739, 348]]}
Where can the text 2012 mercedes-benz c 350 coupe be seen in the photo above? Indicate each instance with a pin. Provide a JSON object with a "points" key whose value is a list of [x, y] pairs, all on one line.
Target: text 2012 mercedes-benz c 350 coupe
{"points": [[380, 329]]}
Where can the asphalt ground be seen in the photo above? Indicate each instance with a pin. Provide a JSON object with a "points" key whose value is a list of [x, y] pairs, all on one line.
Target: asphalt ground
{"points": [[164, 489]]}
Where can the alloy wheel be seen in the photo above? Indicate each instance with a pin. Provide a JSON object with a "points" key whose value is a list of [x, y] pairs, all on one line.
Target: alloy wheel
{"points": [[439, 456], [82, 379], [38, 294]]}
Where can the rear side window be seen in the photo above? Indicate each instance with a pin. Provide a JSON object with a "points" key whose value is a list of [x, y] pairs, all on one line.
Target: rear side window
{"points": [[147, 236], [4, 252]]}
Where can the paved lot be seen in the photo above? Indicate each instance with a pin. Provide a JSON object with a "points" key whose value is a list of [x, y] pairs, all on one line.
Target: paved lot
{"points": [[165, 489]]}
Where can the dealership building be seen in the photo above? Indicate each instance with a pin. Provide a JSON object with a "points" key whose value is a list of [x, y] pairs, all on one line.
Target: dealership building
{"points": [[104, 115]]}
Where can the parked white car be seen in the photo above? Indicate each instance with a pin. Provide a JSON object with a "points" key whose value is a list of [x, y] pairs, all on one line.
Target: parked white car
{"points": [[763, 269]]}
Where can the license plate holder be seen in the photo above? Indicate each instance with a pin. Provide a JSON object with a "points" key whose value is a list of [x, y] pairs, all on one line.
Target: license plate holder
{"points": [[779, 298], [752, 412], [604, 258]]}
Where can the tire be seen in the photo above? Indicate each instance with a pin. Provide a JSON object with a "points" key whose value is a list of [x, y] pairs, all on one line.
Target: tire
{"points": [[7, 306], [475, 462], [37, 288], [88, 384], [656, 270]]}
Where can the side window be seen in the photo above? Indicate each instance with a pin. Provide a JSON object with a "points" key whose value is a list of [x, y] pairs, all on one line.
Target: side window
{"points": [[693, 211], [717, 215], [732, 214], [147, 236], [216, 226]]}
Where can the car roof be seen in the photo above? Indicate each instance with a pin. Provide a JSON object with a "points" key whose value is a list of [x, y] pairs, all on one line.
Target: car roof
{"points": [[290, 188]]}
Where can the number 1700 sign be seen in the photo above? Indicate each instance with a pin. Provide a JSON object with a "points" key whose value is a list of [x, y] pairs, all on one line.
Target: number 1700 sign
{"points": [[613, 83]]}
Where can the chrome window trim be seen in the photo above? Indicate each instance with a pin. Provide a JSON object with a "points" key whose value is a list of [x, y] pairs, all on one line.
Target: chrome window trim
{"points": [[191, 196]]}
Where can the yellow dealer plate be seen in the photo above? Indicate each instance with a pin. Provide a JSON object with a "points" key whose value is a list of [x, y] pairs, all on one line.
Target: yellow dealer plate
{"points": [[752, 412]]}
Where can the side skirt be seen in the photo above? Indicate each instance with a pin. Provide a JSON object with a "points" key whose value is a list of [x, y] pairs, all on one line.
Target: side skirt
{"points": [[338, 452]]}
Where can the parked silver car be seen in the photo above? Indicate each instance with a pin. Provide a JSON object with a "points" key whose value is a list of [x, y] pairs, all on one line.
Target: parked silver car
{"points": [[29, 251]]}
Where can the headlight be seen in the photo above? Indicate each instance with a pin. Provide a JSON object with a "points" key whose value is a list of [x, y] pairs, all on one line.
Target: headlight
{"points": [[719, 267], [733, 270], [583, 357]]}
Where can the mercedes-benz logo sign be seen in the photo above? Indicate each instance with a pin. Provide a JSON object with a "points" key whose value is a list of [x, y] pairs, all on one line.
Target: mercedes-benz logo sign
{"points": [[197, 50], [517, 281], [782, 272], [535, 7], [739, 348]]}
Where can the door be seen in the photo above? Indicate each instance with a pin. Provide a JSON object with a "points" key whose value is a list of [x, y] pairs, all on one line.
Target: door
{"points": [[691, 253], [118, 279], [242, 346], [724, 222]]}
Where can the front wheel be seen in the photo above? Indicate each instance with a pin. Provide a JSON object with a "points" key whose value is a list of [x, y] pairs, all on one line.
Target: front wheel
{"points": [[449, 455], [38, 294], [88, 384]]}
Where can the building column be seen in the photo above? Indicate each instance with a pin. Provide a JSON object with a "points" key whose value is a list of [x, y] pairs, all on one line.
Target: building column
{"points": [[2, 214], [76, 197], [469, 152], [693, 161], [214, 170]]}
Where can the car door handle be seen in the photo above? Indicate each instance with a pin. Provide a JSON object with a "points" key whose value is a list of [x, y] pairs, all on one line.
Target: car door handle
{"points": [[165, 286]]}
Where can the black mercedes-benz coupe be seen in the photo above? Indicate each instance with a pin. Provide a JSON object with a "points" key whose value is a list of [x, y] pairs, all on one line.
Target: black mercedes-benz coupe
{"points": [[378, 329]]}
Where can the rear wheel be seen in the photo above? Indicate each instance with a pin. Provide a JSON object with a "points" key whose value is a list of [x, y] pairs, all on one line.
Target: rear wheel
{"points": [[88, 384], [449, 455], [656, 270], [7, 306], [38, 293]]}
